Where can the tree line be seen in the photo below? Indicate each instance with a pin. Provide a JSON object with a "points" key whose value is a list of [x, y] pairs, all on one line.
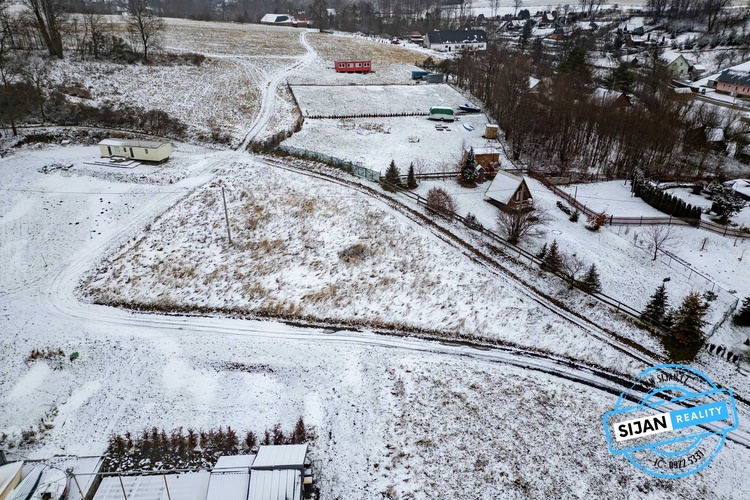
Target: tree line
{"points": [[570, 126]]}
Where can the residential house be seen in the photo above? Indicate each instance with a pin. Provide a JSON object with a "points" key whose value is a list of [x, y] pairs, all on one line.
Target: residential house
{"points": [[536, 86], [509, 192], [604, 98], [456, 40], [733, 82], [676, 63], [278, 19]]}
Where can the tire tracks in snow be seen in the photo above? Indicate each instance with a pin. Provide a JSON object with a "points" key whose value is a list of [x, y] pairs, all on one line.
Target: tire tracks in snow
{"points": [[269, 92]]}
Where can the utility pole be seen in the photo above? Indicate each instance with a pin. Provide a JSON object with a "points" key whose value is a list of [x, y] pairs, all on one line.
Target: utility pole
{"points": [[226, 215]]}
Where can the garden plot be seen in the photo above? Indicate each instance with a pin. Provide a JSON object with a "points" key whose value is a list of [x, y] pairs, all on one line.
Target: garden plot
{"points": [[374, 99], [305, 248], [374, 142]]}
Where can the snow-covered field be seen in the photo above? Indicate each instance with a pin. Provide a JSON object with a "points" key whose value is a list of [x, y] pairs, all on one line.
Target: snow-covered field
{"points": [[306, 248], [395, 416], [374, 142], [374, 99]]}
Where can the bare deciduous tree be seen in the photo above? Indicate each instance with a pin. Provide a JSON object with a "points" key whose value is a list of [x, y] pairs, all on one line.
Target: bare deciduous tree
{"points": [[144, 25], [520, 223], [659, 237], [51, 16], [571, 266], [97, 29]]}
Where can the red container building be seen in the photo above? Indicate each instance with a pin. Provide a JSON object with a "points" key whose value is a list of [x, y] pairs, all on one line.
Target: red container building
{"points": [[353, 66]]}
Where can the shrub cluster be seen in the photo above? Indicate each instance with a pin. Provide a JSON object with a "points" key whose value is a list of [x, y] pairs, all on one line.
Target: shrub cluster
{"points": [[660, 200], [157, 449]]}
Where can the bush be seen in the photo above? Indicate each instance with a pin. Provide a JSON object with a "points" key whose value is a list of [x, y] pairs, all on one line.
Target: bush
{"points": [[438, 200]]}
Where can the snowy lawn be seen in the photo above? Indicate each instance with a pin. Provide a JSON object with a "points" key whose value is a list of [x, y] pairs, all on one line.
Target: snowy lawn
{"points": [[375, 99], [305, 248], [374, 142], [627, 270]]}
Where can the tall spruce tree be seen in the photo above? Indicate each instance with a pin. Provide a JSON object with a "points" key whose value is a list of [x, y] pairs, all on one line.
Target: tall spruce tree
{"points": [[552, 260], [392, 175], [590, 281], [411, 180], [685, 337], [742, 318], [469, 168], [656, 309]]}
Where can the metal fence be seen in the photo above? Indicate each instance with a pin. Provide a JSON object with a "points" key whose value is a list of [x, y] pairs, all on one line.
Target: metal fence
{"points": [[354, 168]]}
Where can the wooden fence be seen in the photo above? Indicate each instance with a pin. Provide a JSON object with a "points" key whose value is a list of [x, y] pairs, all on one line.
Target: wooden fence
{"points": [[640, 221], [522, 255]]}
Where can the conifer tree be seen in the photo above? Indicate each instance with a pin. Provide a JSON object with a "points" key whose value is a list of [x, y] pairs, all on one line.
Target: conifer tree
{"points": [[469, 169], [553, 260], [590, 281], [411, 180], [656, 309], [685, 336], [542, 252], [392, 175], [742, 318]]}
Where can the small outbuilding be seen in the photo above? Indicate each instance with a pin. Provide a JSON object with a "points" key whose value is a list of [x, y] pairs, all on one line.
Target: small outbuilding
{"points": [[509, 192], [279, 472], [152, 151], [353, 66]]}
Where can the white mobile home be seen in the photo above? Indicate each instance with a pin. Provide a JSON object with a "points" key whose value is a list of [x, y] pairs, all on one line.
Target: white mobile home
{"points": [[136, 150]]}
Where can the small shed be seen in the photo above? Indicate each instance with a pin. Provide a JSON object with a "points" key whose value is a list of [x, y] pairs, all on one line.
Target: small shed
{"points": [[509, 192], [488, 157], [490, 131], [136, 150], [278, 472], [442, 113], [435, 78]]}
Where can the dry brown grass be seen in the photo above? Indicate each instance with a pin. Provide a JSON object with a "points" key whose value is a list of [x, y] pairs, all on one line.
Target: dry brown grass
{"points": [[331, 47], [216, 38]]}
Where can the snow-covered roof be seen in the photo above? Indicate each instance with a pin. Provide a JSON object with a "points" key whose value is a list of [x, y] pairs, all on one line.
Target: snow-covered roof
{"points": [[288, 456], [132, 143], [275, 484], [228, 486], [487, 151], [8, 474], [669, 57], [715, 134], [234, 463], [683, 90], [533, 82], [606, 97], [276, 18], [503, 187], [457, 36], [741, 186], [193, 486], [734, 77]]}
